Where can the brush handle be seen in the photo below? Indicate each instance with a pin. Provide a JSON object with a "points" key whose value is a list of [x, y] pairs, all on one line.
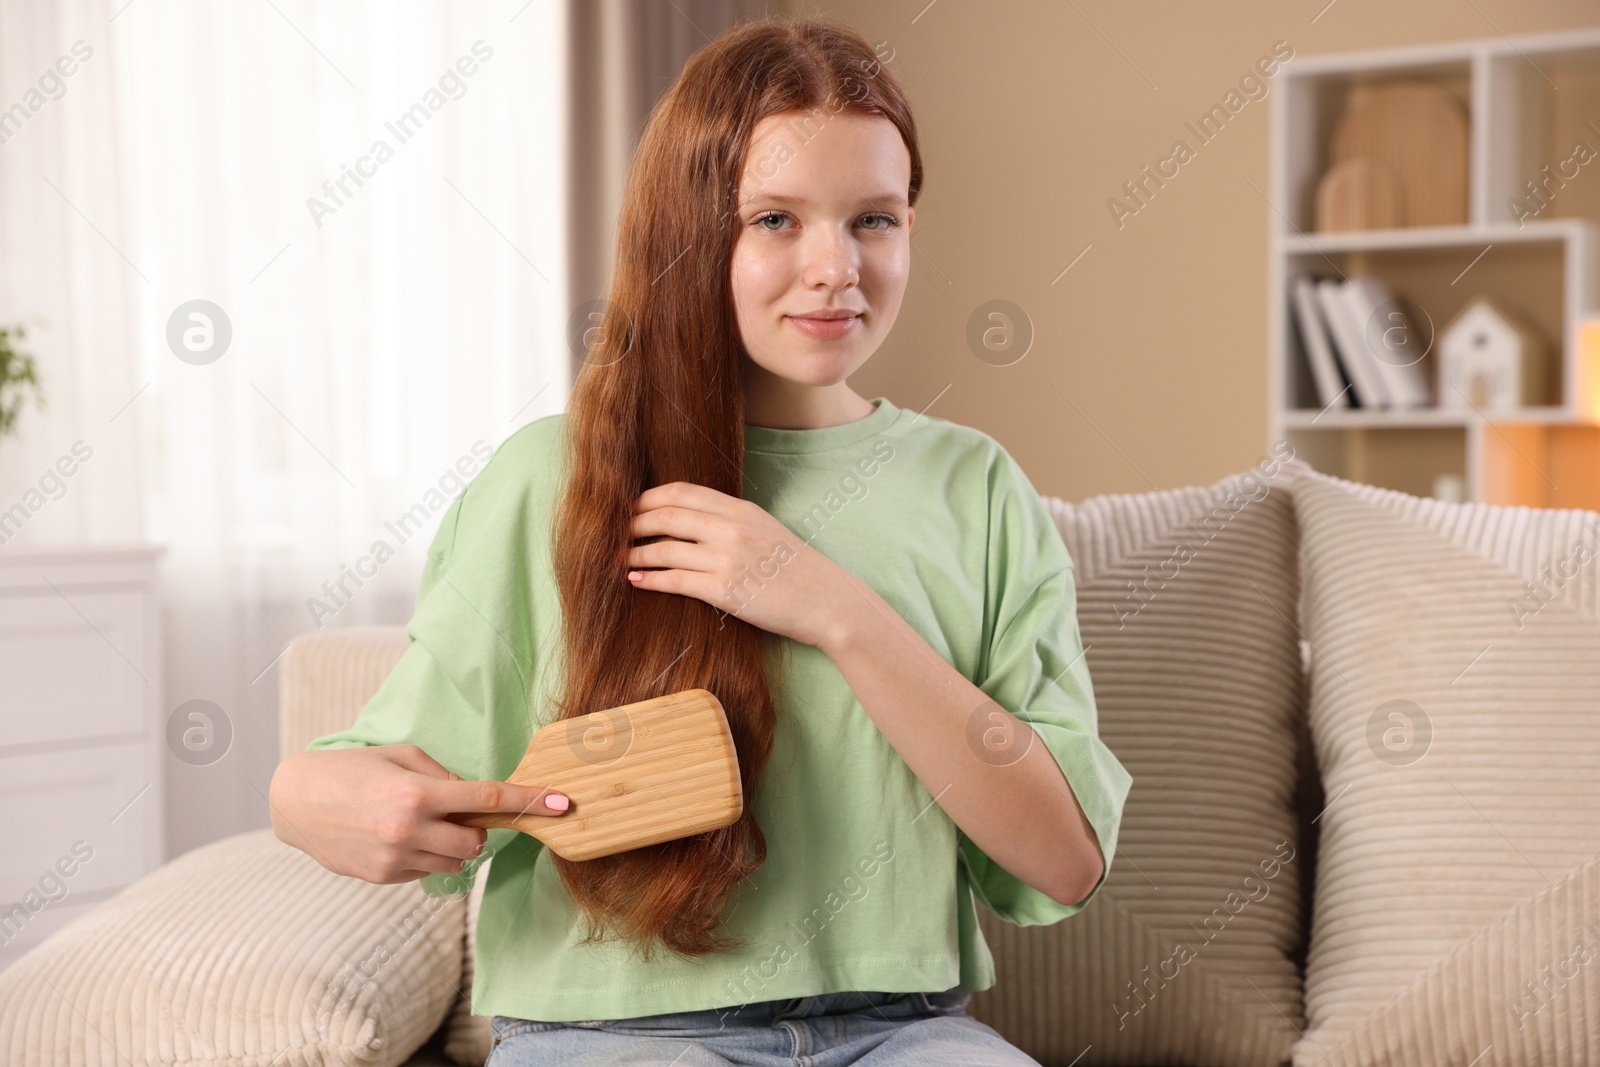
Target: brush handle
{"points": [[495, 820]]}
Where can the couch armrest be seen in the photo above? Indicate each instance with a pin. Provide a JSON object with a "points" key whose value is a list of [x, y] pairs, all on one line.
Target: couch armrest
{"points": [[325, 679]]}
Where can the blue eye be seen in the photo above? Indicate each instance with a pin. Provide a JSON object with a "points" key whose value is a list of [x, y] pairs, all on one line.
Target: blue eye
{"points": [[889, 221]]}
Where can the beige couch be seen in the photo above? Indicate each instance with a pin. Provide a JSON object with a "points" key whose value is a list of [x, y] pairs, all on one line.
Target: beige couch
{"points": [[1249, 641]]}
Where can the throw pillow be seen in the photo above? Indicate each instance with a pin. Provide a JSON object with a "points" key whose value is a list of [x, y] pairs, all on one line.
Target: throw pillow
{"points": [[1186, 603], [1455, 706], [242, 951]]}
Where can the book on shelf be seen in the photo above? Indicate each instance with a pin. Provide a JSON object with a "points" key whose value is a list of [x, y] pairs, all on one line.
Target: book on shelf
{"points": [[1354, 331], [1388, 341], [1366, 382], [1332, 388]]}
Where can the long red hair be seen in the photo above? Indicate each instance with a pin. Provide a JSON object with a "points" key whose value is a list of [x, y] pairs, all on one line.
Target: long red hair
{"points": [[660, 398]]}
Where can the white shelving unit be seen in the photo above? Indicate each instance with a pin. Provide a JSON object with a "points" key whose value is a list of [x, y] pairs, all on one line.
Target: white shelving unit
{"points": [[1546, 268]]}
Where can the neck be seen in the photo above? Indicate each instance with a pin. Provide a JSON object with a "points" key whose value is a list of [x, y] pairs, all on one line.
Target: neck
{"points": [[781, 404]]}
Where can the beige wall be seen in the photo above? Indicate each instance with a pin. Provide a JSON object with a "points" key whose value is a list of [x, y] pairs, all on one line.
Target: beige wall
{"points": [[1030, 121]]}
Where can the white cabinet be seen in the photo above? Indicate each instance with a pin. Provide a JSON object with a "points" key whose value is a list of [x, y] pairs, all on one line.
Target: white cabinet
{"points": [[81, 734]]}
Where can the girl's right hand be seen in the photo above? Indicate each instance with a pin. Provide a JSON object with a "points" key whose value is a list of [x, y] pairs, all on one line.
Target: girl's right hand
{"points": [[379, 812]]}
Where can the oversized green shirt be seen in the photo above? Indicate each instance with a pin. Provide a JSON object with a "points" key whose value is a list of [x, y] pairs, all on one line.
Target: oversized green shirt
{"points": [[868, 884]]}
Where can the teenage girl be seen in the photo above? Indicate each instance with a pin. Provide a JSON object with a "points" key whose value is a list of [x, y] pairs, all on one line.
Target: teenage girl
{"points": [[876, 595]]}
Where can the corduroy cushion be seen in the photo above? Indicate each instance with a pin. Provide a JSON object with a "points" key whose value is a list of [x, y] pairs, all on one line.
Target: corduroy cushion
{"points": [[1455, 705], [245, 952], [324, 680], [1186, 602]]}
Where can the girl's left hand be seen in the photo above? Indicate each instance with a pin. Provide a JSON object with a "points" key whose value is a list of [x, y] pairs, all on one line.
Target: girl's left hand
{"points": [[732, 554]]}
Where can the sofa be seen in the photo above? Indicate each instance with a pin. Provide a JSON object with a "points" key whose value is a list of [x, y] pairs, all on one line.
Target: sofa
{"points": [[1363, 727]]}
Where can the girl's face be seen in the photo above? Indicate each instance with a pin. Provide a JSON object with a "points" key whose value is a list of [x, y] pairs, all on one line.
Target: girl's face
{"points": [[823, 227]]}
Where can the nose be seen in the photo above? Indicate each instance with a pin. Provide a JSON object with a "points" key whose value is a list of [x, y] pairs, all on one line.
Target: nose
{"points": [[831, 260]]}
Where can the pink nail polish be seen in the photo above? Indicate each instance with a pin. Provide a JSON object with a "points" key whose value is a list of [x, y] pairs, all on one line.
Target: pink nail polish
{"points": [[556, 802]]}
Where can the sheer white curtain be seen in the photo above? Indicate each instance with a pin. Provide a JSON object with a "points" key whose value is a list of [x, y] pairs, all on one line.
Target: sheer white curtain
{"points": [[370, 197]]}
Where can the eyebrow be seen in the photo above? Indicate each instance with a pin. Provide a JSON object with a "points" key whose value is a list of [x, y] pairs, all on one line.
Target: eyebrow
{"points": [[893, 199]]}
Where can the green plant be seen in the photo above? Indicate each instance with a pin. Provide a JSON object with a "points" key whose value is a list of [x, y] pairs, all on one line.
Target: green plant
{"points": [[17, 378]]}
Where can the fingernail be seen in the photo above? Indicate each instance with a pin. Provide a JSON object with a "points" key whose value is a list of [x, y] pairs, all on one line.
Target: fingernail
{"points": [[634, 576], [556, 802]]}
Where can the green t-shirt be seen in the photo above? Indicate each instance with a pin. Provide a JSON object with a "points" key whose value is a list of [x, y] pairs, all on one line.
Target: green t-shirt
{"points": [[868, 884]]}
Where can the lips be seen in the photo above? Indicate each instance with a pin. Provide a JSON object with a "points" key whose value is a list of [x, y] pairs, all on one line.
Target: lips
{"points": [[826, 326], [823, 316]]}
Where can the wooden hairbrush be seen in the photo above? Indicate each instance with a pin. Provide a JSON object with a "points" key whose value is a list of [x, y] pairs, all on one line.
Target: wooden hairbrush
{"points": [[636, 775]]}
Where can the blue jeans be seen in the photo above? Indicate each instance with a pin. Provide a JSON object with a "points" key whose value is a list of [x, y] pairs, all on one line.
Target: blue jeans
{"points": [[829, 1030]]}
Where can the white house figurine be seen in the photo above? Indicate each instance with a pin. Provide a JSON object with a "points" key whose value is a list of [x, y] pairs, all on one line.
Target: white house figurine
{"points": [[1489, 360]]}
